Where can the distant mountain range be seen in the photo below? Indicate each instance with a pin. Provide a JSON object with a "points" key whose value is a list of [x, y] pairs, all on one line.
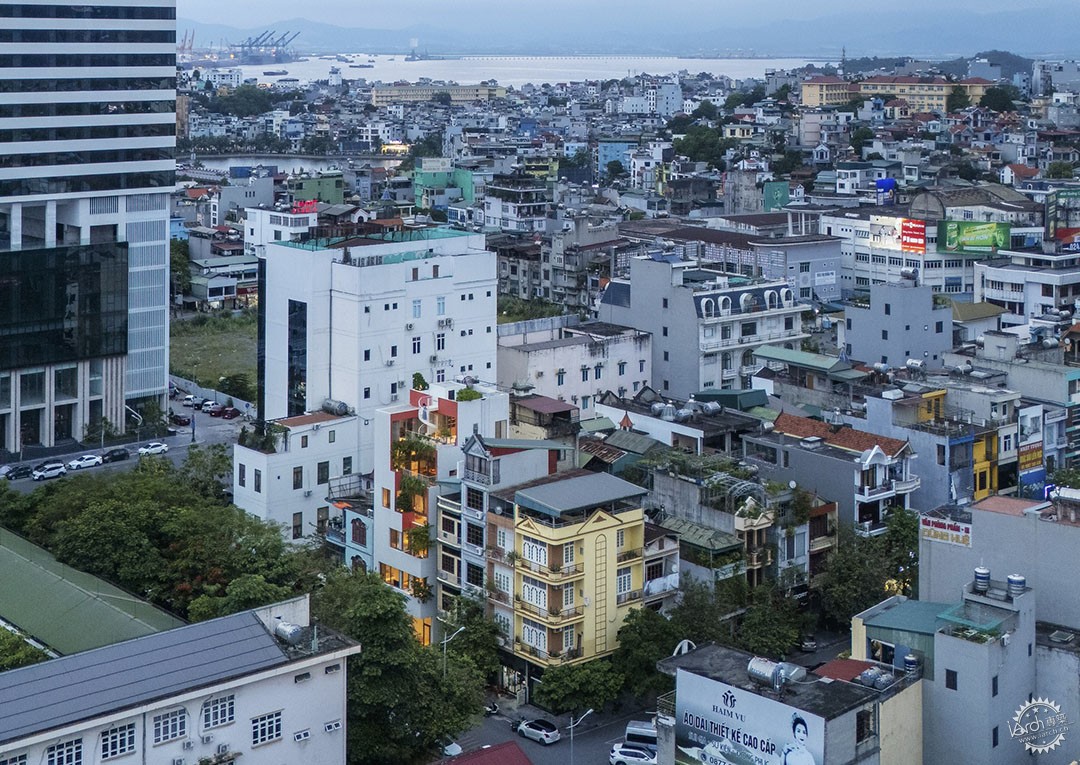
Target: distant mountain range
{"points": [[1046, 32]]}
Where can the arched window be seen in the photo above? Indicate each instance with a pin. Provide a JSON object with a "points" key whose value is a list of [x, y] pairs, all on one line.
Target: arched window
{"points": [[772, 300], [725, 305], [358, 564], [725, 360], [707, 307], [746, 301], [359, 532], [787, 296]]}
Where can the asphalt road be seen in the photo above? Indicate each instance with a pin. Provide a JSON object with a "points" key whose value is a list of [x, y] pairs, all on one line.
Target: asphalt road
{"points": [[208, 430]]}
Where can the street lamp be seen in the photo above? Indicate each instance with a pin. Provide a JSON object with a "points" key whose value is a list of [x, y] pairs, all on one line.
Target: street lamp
{"points": [[193, 409], [571, 727], [444, 642]]}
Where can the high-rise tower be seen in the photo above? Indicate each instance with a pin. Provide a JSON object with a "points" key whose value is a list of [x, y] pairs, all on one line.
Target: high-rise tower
{"points": [[87, 135]]}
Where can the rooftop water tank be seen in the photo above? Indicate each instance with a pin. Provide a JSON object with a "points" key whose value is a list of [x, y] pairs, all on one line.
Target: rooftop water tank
{"points": [[1016, 584], [765, 672], [289, 632], [911, 663], [982, 579], [333, 406]]}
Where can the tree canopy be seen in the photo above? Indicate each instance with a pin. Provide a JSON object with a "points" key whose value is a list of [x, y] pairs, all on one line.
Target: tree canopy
{"points": [[1000, 99], [245, 101], [957, 99], [577, 687], [704, 144]]}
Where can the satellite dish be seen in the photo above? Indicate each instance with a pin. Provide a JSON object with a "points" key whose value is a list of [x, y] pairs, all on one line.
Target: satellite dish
{"points": [[792, 484]]}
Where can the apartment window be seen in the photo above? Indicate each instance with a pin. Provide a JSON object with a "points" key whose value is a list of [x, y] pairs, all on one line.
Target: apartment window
{"points": [[258, 481], [994, 736], [386, 498], [864, 724], [789, 322], [804, 292], [440, 303], [622, 368], [393, 351], [663, 331], [641, 365], [620, 539], [359, 532], [474, 575], [416, 309], [219, 711], [266, 728], [118, 741], [665, 355], [804, 268], [597, 370], [474, 534], [367, 392], [560, 377], [939, 327], [416, 345], [17, 759], [663, 302], [297, 478], [748, 328], [884, 334], [994, 685], [584, 402], [297, 525], [65, 753], [888, 309], [367, 354], [323, 473], [241, 475], [346, 465], [584, 374], [950, 679], [170, 725], [303, 442], [623, 581], [440, 341], [568, 554], [941, 454], [474, 498]]}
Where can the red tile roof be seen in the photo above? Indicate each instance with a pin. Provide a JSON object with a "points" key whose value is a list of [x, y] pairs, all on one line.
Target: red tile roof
{"points": [[507, 753], [844, 438], [843, 669]]}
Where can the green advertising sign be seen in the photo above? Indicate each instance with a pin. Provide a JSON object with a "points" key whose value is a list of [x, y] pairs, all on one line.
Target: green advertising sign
{"points": [[777, 194], [969, 236]]}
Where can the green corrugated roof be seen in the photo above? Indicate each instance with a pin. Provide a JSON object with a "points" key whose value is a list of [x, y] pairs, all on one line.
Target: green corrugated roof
{"points": [[628, 441], [763, 413], [845, 375], [972, 311], [918, 616], [702, 536], [596, 424], [798, 358], [69, 610]]}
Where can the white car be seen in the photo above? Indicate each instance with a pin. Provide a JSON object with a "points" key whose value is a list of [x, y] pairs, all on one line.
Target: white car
{"points": [[539, 730], [628, 754], [85, 461], [48, 470], [154, 447]]}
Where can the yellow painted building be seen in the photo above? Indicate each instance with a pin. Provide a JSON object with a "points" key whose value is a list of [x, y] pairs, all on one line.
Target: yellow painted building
{"points": [[386, 95], [826, 90], [923, 93], [578, 566]]}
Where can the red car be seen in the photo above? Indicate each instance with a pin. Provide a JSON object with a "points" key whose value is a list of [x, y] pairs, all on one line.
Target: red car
{"points": [[215, 410], [230, 413], [179, 419]]}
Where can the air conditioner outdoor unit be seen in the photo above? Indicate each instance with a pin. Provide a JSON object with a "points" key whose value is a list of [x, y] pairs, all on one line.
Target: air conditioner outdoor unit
{"points": [[393, 397], [307, 492], [222, 748], [207, 737], [178, 761], [189, 745], [390, 363], [408, 326], [302, 735], [433, 358]]}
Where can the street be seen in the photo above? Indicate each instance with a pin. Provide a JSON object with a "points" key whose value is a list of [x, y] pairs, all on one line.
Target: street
{"points": [[593, 739]]}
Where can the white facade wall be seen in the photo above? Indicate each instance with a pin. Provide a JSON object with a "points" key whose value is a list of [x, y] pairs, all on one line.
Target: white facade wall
{"points": [[1020, 290], [263, 227], [277, 499], [361, 325]]}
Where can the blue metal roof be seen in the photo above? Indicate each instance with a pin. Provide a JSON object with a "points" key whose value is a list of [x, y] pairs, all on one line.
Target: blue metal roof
{"points": [[63, 691]]}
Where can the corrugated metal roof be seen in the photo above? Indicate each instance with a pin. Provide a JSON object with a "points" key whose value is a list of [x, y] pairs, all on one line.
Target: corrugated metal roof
{"points": [[577, 493], [799, 358], [69, 610], [705, 537], [628, 441], [64, 691], [596, 424]]}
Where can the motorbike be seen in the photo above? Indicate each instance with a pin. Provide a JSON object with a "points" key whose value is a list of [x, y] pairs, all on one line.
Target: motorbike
{"points": [[491, 708]]}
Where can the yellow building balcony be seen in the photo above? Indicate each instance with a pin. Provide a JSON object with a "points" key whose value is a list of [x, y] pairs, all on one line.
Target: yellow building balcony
{"points": [[541, 656], [551, 572], [628, 597], [449, 578], [498, 596], [628, 555], [550, 615]]}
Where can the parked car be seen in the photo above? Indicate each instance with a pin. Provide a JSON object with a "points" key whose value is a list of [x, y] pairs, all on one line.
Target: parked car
{"points": [[189, 400], [543, 731], [15, 472], [48, 470], [179, 419], [628, 754], [154, 447], [85, 461], [207, 404], [215, 410], [808, 643], [230, 413], [116, 455]]}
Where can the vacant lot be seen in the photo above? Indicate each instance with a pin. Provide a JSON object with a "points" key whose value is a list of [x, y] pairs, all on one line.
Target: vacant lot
{"points": [[211, 347]]}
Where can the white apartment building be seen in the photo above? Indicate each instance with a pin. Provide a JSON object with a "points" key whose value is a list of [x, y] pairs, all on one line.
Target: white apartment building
{"points": [[574, 362], [314, 456], [354, 319], [418, 446], [229, 78], [263, 226], [260, 684], [1029, 285], [705, 323], [88, 124]]}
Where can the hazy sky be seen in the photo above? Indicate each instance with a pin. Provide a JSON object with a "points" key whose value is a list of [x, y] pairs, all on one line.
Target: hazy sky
{"points": [[621, 13]]}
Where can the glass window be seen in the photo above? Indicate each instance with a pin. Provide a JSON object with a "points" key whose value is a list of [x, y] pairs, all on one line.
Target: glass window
{"points": [[170, 725], [346, 465], [332, 436], [323, 473], [440, 306], [219, 711], [66, 383], [32, 388], [258, 481], [118, 741], [266, 728], [623, 581], [416, 309], [65, 753], [416, 345], [298, 478], [241, 473], [297, 525]]}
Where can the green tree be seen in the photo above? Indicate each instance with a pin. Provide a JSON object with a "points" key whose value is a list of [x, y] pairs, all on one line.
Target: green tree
{"points": [[999, 99], [859, 138], [707, 613], [1059, 169], [207, 470], [706, 110], [577, 687], [179, 266], [1069, 477], [579, 158], [704, 144], [239, 385], [957, 99], [15, 652], [442, 98], [645, 637], [244, 101], [770, 626], [478, 642], [615, 169], [791, 160], [244, 592], [400, 703]]}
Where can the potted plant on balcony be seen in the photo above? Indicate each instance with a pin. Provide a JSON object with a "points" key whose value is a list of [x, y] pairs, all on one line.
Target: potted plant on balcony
{"points": [[421, 590], [555, 568], [512, 557]]}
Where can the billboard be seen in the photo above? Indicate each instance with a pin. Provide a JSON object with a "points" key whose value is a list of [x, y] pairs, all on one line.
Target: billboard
{"points": [[777, 194], [1030, 444], [945, 530], [969, 236], [913, 235], [720, 724]]}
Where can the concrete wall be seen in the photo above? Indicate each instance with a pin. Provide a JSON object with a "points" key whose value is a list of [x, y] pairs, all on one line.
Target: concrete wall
{"points": [[910, 325]]}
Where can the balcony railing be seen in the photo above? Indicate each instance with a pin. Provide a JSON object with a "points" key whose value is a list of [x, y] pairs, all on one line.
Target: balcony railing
{"points": [[881, 490], [530, 650], [551, 615], [627, 555], [626, 597], [335, 536], [449, 538], [662, 585], [549, 571], [665, 704], [757, 557], [451, 579], [499, 596], [907, 485], [475, 476], [870, 528], [822, 543]]}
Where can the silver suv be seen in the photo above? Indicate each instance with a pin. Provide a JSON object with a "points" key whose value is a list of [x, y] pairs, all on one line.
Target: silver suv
{"points": [[48, 470]]}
